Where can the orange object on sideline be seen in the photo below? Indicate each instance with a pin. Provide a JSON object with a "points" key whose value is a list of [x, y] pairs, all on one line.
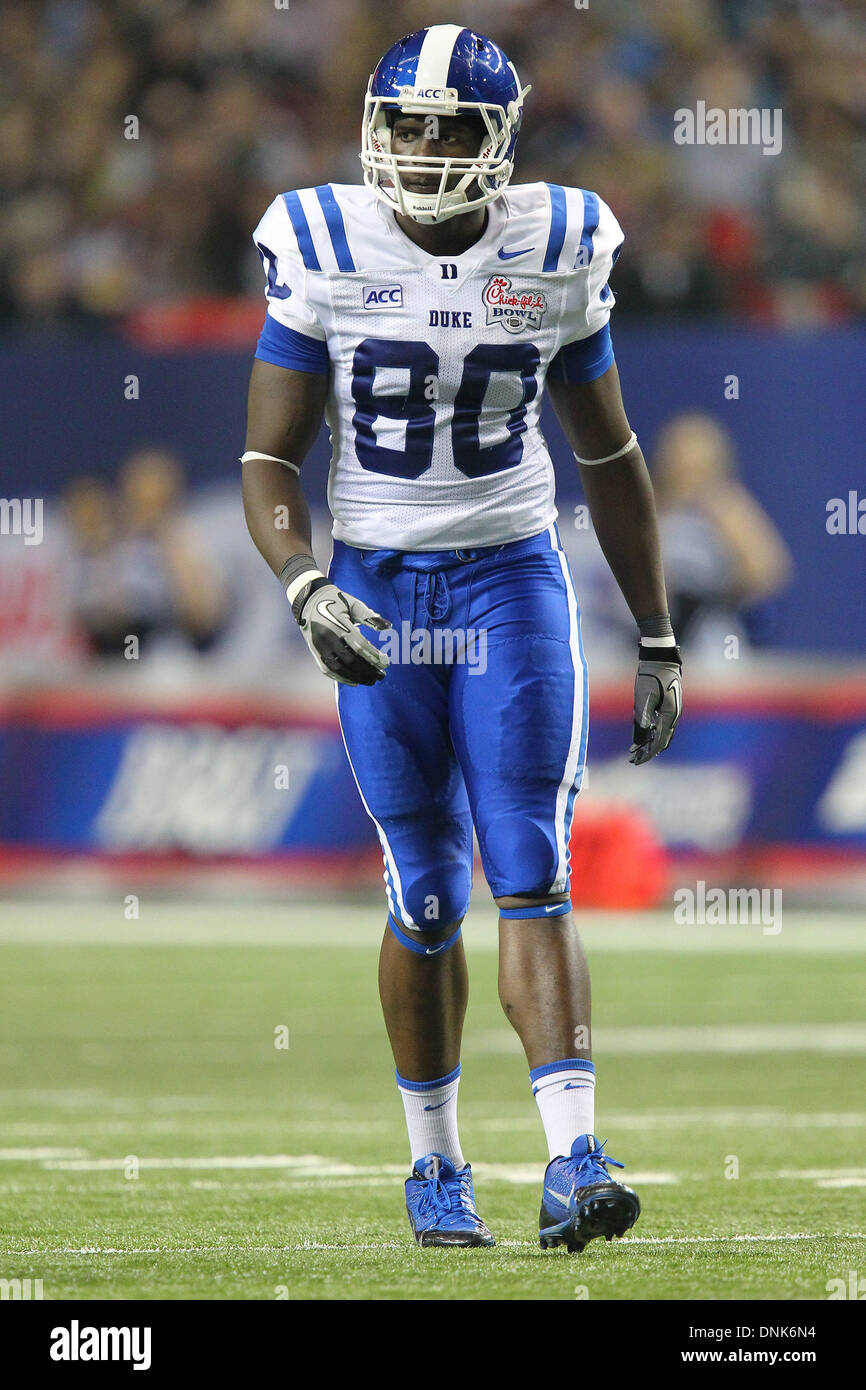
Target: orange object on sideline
{"points": [[617, 859]]}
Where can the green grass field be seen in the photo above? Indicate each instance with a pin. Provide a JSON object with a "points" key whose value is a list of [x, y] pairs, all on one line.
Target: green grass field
{"points": [[148, 1047]]}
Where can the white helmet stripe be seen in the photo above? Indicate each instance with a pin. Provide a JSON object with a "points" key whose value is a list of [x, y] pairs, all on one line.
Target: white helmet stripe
{"points": [[434, 60]]}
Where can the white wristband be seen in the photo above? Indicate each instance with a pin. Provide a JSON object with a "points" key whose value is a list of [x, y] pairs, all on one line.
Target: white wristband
{"points": [[629, 444], [301, 582], [253, 454]]}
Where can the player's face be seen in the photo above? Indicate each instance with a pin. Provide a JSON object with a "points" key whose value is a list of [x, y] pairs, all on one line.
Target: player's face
{"points": [[440, 137]]}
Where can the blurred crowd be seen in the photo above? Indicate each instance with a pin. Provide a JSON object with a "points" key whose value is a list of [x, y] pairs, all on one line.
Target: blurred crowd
{"points": [[725, 561], [145, 575], [151, 572], [140, 141], [137, 568]]}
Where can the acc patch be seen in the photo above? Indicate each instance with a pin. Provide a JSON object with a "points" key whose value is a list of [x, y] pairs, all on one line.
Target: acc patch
{"points": [[513, 310], [383, 297]]}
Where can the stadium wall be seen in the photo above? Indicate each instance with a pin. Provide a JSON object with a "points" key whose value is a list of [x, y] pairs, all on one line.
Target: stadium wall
{"points": [[797, 419], [176, 786]]}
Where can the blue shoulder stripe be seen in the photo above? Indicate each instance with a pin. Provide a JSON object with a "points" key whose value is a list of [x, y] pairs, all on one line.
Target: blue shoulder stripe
{"points": [[286, 347], [558, 221], [585, 359], [302, 230], [590, 226], [336, 226]]}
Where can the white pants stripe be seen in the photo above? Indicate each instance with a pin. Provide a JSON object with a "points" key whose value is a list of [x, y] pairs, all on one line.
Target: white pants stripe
{"points": [[393, 886], [577, 740]]}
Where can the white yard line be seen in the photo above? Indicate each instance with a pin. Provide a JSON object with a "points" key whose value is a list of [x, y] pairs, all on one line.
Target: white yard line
{"points": [[186, 923], [725, 1038], [312, 1170], [821, 1174], [742, 1239], [756, 1117], [350, 1248], [33, 1155], [306, 1165], [314, 1167], [701, 1116]]}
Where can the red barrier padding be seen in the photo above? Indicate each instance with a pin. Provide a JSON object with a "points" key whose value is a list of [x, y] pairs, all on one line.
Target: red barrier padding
{"points": [[617, 860]]}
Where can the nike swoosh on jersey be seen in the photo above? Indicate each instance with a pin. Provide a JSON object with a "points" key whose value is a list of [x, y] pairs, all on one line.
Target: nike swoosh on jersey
{"points": [[509, 255]]}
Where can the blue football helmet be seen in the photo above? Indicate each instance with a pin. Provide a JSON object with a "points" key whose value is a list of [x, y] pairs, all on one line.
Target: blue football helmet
{"points": [[442, 71]]}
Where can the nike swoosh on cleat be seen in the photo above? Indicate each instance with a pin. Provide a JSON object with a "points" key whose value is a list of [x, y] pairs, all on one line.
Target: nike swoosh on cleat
{"points": [[509, 255], [559, 1196], [436, 1107]]}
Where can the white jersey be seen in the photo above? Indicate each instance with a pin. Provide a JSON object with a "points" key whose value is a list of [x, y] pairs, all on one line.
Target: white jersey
{"points": [[437, 363]]}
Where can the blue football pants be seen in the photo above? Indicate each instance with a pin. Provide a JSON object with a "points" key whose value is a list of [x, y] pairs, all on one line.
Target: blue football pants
{"points": [[481, 720]]}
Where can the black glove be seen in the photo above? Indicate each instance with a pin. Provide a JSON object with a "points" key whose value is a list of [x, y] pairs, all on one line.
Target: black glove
{"points": [[658, 701], [329, 620]]}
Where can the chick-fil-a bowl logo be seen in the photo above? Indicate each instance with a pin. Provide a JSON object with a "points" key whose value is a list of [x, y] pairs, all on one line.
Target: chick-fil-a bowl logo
{"points": [[514, 310]]}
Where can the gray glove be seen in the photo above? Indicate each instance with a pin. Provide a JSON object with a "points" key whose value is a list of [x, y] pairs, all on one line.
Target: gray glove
{"points": [[658, 701], [329, 620]]}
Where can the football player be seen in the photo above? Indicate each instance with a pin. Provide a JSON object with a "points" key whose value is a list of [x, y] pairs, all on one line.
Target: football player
{"points": [[423, 313]]}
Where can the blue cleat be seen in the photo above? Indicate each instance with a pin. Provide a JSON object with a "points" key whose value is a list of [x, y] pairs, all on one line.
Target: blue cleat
{"points": [[581, 1200], [440, 1201]]}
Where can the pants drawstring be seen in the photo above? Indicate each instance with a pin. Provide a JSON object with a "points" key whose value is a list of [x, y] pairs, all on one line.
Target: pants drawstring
{"points": [[437, 596]]}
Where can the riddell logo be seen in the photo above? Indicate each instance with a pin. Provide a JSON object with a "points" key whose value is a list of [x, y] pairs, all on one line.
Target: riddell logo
{"points": [[514, 311]]}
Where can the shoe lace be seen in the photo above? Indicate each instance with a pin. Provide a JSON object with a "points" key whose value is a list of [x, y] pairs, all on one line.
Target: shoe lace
{"points": [[592, 1165], [448, 1202]]}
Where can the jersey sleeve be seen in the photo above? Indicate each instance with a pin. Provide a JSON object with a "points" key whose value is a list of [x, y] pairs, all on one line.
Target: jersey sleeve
{"points": [[586, 350], [293, 335]]}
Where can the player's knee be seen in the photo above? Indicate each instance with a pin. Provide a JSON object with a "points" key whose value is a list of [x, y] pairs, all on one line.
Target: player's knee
{"points": [[521, 857], [438, 898]]}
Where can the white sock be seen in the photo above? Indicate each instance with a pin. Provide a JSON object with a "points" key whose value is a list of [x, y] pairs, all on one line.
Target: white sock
{"points": [[431, 1116], [565, 1092]]}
